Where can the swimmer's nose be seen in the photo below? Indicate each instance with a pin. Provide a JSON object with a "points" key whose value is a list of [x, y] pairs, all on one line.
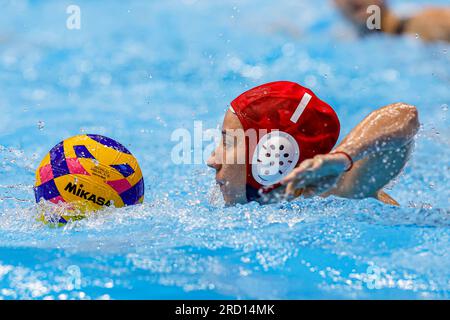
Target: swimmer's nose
{"points": [[211, 162]]}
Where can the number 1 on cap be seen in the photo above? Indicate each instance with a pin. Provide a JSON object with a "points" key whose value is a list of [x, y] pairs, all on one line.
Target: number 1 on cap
{"points": [[301, 107]]}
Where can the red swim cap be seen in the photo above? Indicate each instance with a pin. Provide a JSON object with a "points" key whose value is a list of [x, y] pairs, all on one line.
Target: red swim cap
{"points": [[298, 124]]}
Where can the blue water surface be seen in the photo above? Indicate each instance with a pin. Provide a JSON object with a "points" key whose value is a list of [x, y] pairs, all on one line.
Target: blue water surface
{"points": [[138, 70]]}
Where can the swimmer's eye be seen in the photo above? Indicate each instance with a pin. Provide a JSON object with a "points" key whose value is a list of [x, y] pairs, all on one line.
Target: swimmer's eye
{"points": [[228, 141]]}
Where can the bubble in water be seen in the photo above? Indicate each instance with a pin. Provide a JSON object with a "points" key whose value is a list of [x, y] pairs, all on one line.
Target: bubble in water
{"points": [[311, 81], [288, 49]]}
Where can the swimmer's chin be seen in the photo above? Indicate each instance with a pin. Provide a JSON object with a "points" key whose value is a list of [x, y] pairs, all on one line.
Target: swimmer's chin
{"points": [[275, 196], [232, 200]]}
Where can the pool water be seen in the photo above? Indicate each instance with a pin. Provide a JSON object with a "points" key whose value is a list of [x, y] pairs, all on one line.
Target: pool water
{"points": [[138, 70]]}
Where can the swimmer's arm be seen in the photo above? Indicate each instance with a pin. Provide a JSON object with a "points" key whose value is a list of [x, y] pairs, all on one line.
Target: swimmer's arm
{"points": [[388, 128]]}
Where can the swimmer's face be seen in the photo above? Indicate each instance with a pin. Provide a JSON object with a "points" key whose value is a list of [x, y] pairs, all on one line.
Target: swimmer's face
{"points": [[230, 173], [356, 10]]}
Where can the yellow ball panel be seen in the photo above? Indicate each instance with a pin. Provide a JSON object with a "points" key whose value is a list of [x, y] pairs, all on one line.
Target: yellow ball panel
{"points": [[86, 192], [99, 171]]}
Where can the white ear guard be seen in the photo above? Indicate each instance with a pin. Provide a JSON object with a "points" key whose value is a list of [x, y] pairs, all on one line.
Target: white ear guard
{"points": [[275, 156]]}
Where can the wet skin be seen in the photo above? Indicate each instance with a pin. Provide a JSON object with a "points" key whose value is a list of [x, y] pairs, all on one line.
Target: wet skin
{"points": [[379, 146], [429, 24]]}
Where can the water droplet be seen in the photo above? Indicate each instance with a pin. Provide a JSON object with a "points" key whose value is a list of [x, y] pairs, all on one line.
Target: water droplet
{"points": [[41, 125]]}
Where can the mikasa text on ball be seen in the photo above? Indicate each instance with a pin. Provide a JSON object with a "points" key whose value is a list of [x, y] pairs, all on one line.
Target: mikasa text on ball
{"points": [[89, 172]]}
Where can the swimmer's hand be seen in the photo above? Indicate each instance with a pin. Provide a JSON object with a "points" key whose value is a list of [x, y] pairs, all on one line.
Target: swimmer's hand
{"points": [[316, 176]]}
